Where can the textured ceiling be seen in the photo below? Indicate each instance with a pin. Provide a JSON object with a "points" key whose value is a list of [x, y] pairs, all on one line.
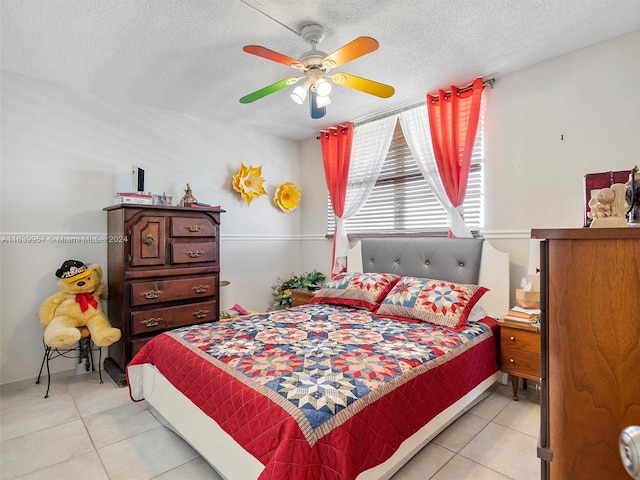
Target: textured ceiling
{"points": [[186, 55]]}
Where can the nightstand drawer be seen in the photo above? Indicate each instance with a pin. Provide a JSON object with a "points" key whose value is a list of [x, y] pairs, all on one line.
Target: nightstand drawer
{"points": [[301, 297], [520, 340], [520, 363]]}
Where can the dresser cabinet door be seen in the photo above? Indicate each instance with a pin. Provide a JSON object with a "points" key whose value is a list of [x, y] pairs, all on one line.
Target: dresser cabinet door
{"points": [[148, 241]]}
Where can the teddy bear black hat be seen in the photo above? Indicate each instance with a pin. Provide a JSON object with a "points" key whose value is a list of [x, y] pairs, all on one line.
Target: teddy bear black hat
{"points": [[72, 270]]}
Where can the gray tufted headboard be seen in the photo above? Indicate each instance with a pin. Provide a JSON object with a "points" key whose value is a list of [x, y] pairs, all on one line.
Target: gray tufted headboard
{"points": [[453, 259]]}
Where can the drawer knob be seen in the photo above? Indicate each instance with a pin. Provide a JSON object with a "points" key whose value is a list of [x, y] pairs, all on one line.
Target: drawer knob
{"points": [[512, 338], [195, 253], [512, 360], [151, 294], [194, 228], [151, 322], [201, 288], [201, 313], [148, 239]]}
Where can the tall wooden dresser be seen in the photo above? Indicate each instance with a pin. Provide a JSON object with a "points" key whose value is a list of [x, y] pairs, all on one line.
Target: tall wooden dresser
{"points": [[590, 376], [163, 266]]}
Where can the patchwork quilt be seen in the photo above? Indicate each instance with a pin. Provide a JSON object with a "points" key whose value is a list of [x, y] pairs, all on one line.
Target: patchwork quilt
{"points": [[322, 391]]}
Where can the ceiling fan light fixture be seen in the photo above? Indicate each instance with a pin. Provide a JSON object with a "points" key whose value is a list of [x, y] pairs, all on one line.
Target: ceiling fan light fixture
{"points": [[323, 88], [322, 101], [299, 94]]}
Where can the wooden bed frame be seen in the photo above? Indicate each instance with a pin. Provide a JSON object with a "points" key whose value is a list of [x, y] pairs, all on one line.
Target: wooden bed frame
{"points": [[232, 462]]}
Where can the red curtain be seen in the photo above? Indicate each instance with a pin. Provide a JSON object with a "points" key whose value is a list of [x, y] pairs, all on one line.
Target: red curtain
{"points": [[453, 119], [336, 154]]}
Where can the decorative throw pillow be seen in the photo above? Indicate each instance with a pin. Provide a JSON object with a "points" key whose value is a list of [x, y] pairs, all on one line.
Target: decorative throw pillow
{"points": [[435, 301], [356, 289]]}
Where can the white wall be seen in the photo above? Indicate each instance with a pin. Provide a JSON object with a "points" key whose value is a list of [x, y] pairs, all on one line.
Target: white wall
{"points": [[64, 154], [546, 127]]}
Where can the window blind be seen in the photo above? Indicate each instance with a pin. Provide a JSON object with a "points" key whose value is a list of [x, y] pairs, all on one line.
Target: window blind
{"points": [[402, 201]]}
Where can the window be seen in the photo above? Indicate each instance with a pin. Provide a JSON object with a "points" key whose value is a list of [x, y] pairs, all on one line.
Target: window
{"points": [[402, 202]]}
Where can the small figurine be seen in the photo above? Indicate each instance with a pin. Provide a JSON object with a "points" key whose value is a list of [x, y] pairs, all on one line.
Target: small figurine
{"points": [[608, 207], [188, 198]]}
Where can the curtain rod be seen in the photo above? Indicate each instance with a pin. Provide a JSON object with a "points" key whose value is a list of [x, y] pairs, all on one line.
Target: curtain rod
{"points": [[486, 83]]}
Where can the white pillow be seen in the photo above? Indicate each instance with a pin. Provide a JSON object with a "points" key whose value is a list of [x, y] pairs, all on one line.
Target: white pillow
{"points": [[476, 314]]}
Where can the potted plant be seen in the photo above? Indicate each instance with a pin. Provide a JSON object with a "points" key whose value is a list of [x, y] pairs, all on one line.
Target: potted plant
{"points": [[282, 288]]}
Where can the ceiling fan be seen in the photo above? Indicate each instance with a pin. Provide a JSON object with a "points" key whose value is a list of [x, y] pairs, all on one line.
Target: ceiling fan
{"points": [[315, 66]]}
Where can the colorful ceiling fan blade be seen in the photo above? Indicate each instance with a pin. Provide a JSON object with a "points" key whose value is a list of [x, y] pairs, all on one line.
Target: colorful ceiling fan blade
{"points": [[316, 112], [363, 84], [263, 92], [273, 56], [352, 50]]}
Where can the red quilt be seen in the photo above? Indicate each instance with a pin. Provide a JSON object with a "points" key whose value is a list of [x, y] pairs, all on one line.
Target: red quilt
{"points": [[320, 391]]}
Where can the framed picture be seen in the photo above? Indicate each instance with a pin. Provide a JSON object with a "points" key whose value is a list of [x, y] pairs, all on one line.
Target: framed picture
{"points": [[594, 182]]}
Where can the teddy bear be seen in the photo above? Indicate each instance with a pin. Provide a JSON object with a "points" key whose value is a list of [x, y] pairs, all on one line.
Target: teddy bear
{"points": [[77, 304]]}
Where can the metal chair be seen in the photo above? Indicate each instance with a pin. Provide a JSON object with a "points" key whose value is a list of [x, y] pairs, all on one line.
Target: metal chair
{"points": [[83, 352]]}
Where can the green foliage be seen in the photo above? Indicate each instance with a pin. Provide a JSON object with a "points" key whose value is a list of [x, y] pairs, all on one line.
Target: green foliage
{"points": [[281, 289]]}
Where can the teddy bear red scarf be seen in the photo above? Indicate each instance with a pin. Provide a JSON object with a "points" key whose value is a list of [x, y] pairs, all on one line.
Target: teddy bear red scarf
{"points": [[85, 299]]}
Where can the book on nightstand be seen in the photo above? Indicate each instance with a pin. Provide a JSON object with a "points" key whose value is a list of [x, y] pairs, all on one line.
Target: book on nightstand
{"points": [[523, 315]]}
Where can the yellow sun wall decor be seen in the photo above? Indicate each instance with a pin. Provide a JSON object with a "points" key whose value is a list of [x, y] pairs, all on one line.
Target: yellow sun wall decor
{"points": [[287, 197], [248, 182]]}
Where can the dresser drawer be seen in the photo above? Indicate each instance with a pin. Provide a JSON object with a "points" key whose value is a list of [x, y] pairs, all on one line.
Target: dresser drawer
{"points": [[194, 252], [520, 363], [193, 227], [146, 293], [519, 339], [172, 317]]}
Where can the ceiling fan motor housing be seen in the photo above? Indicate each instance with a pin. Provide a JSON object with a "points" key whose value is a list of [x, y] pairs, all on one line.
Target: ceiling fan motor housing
{"points": [[312, 33]]}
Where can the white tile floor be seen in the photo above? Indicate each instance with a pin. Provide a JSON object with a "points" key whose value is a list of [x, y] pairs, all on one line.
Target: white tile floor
{"points": [[91, 431]]}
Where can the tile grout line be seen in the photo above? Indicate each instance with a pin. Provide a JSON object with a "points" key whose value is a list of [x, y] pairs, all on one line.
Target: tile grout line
{"points": [[84, 424]]}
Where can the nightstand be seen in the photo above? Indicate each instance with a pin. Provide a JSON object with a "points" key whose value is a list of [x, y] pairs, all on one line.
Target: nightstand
{"points": [[301, 296], [519, 352]]}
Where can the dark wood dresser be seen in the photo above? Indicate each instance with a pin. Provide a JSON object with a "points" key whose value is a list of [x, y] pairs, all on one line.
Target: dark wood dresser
{"points": [[590, 365], [163, 273]]}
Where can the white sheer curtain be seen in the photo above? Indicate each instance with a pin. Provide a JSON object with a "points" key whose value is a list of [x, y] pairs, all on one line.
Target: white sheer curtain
{"points": [[371, 143], [415, 127]]}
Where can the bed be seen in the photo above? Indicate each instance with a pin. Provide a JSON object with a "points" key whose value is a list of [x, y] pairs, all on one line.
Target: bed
{"points": [[349, 386]]}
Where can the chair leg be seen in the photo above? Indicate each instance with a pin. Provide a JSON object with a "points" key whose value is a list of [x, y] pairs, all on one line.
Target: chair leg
{"points": [[46, 353], [84, 353], [93, 365], [48, 372], [100, 365]]}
